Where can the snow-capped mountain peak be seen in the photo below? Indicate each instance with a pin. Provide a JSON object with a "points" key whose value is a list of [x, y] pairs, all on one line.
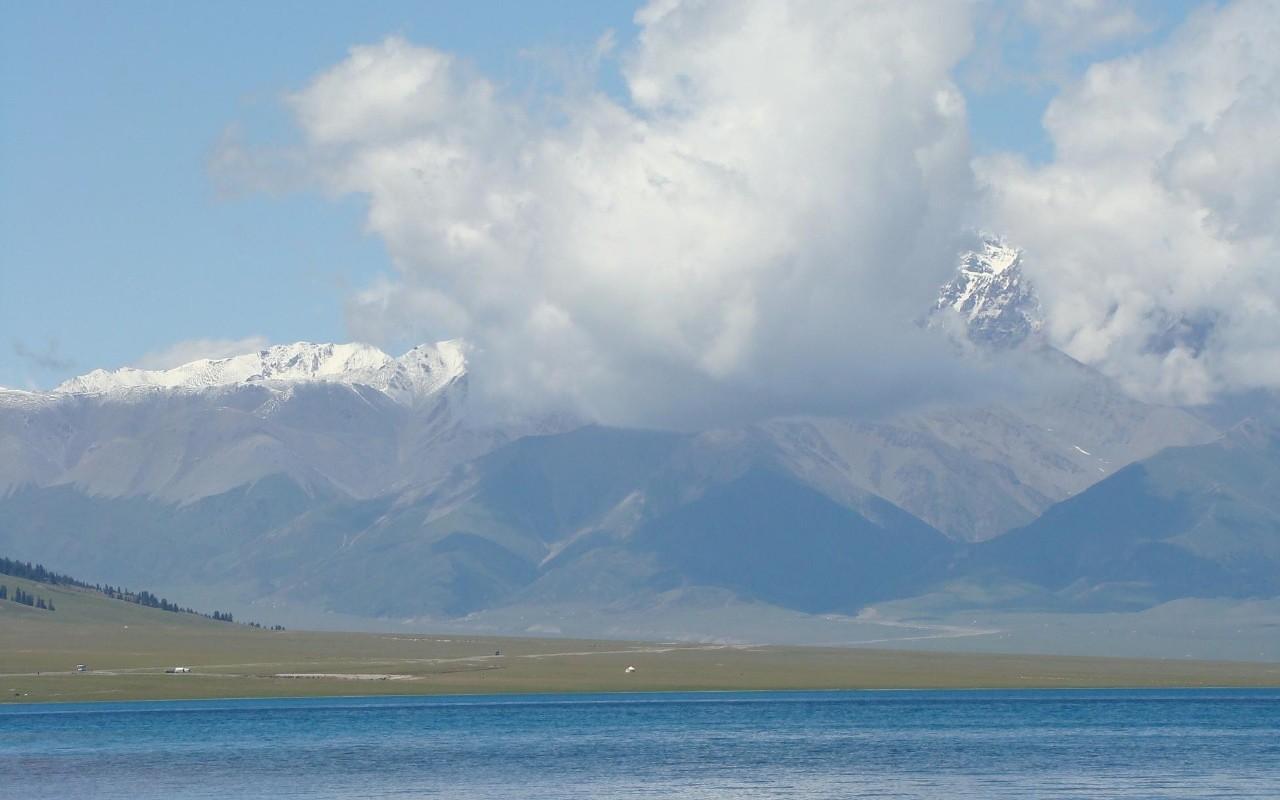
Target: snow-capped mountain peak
{"points": [[997, 303], [422, 371]]}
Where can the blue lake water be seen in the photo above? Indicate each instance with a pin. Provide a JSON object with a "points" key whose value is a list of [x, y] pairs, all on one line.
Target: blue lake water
{"points": [[978, 744]]}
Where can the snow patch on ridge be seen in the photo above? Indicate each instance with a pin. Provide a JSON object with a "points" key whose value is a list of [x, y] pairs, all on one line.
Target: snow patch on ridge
{"points": [[18, 398], [996, 302], [421, 372]]}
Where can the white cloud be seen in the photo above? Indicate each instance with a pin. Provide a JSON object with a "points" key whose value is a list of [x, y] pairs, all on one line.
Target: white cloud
{"points": [[185, 352], [1074, 26], [753, 232], [1154, 234], [1037, 43]]}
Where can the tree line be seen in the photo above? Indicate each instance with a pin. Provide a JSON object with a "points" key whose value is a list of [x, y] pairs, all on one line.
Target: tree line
{"points": [[26, 598], [38, 574]]}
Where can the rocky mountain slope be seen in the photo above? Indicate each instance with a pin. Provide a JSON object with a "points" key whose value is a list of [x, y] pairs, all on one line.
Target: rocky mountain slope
{"points": [[345, 418], [977, 471], [992, 296], [1198, 521]]}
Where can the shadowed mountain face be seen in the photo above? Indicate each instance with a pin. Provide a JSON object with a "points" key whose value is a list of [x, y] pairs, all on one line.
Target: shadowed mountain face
{"points": [[1190, 522], [593, 515], [603, 517], [608, 518], [133, 539], [768, 537]]}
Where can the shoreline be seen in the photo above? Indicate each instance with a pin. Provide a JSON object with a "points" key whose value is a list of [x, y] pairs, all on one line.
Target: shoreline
{"points": [[569, 696]]}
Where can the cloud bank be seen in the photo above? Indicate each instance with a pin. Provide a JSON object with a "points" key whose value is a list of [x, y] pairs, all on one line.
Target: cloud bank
{"points": [[751, 231], [1154, 234]]}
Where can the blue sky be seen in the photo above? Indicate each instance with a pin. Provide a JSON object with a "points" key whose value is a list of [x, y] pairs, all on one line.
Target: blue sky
{"points": [[116, 242]]}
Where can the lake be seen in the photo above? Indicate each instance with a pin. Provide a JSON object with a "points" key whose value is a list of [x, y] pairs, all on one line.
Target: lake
{"points": [[934, 744]]}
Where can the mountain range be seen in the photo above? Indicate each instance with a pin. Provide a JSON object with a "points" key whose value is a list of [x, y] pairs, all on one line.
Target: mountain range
{"points": [[340, 479]]}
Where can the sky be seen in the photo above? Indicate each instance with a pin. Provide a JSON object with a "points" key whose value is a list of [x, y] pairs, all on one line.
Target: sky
{"points": [[604, 197], [117, 241]]}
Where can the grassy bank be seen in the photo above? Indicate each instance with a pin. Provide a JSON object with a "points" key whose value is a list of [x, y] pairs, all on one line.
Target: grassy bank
{"points": [[128, 648]]}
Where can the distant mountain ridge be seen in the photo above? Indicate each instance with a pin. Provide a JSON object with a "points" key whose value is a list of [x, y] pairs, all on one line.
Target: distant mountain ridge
{"points": [[417, 374], [338, 417], [340, 478]]}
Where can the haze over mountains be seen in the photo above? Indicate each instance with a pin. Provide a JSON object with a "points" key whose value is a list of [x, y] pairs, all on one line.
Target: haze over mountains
{"points": [[336, 478]]}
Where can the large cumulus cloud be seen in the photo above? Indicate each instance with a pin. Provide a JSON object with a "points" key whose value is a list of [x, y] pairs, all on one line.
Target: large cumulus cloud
{"points": [[1154, 233], [752, 230]]}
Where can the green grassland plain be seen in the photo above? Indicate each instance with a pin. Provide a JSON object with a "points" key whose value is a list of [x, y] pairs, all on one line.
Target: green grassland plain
{"points": [[127, 649]]}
